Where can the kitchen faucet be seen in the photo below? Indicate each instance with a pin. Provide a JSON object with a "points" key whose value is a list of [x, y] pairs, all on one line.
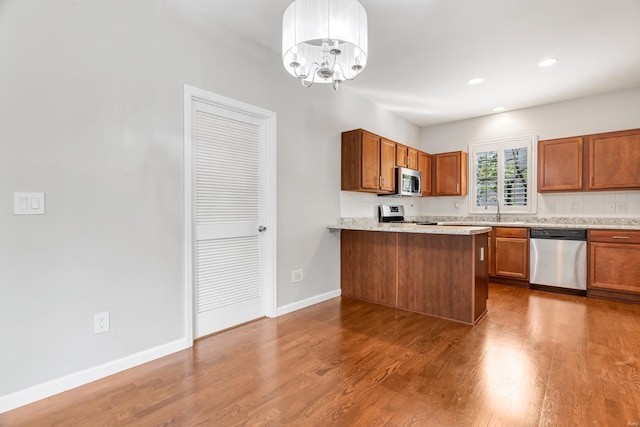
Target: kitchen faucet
{"points": [[497, 205]]}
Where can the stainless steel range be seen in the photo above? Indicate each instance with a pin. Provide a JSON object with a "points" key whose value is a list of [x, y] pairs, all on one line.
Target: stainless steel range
{"points": [[391, 213], [395, 213]]}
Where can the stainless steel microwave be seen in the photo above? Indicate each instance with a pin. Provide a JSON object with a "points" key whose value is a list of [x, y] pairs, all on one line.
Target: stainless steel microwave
{"points": [[409, 182]]}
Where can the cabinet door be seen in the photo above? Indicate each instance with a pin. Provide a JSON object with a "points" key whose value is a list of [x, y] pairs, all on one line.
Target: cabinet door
{"points": [[491, 256], [370, 161], [560, 164], [387, 165], [512, 257], [613, 160], [412, 158], [451, 174], [614, 267], [424, 166], [402, 155]]}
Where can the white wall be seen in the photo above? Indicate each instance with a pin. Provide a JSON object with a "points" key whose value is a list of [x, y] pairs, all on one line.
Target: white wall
{"points": [[602, 113], [91, 114]]}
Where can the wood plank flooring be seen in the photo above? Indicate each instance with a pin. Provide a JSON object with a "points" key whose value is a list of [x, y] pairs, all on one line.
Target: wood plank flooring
{"points": [[536, 359]]}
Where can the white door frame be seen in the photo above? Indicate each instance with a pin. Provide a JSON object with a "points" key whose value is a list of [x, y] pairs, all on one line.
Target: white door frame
{"points": [[268, 243]]}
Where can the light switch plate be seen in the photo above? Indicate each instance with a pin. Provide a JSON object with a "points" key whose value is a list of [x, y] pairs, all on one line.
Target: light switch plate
{"points": [[28, 204]]}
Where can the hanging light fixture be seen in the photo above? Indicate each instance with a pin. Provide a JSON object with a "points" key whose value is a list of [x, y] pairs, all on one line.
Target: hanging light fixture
{"points": [[324, 41]]}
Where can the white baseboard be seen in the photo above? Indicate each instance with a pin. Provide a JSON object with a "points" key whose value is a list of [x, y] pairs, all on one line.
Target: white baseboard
{"points": [[59, 385], [307, 302], [41, 391]]}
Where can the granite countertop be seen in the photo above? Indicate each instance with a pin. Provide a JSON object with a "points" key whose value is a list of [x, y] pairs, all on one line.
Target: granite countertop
{"points": [[476, 225], [412, 228], [543, 225]]}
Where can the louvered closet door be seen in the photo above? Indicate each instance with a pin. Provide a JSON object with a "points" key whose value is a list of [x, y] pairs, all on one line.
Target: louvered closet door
{"points": [[227, 215]]}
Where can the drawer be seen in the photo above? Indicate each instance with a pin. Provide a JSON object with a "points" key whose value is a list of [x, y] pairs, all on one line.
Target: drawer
{"points": [[614, 236], [511, 232]]}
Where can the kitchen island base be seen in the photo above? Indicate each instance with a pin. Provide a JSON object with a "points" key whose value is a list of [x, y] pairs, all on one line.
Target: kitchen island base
{"points": [[435, 274]]}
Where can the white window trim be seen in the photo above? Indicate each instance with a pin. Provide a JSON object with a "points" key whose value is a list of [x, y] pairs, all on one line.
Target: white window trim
{"points": [[531, 142]]}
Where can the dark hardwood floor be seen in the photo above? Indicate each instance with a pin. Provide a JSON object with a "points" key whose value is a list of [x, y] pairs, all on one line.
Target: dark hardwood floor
{"points": [[536, 359]]}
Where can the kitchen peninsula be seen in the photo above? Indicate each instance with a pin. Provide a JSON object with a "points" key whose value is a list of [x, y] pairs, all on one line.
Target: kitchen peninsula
{"points": [[440, 271]]}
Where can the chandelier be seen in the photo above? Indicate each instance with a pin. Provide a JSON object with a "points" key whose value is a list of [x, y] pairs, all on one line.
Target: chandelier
{"points": [[324, 41]]}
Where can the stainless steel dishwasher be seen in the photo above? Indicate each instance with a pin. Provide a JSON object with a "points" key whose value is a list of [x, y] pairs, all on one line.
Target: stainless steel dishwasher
{"points": [[558, 259]]}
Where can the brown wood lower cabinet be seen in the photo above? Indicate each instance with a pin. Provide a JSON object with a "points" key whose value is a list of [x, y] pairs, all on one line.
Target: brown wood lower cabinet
{"points": [[510, 253], [614, 264], [437, 274]]}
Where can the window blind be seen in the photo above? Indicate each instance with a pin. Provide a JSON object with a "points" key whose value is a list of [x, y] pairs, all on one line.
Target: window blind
{"points": [[515, 177], [500, 176], [486, 178]]}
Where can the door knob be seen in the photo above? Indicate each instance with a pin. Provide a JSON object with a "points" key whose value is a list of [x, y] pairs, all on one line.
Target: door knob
{"points": [[262, 228]]}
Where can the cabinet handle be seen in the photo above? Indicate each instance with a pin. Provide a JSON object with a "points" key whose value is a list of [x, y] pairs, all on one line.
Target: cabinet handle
{"points": [[619, 237], [591, 179], [382, 181], [457, 187]]}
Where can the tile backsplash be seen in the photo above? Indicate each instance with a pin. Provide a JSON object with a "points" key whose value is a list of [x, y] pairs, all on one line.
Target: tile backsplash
{"points": [[601, 204], [615, 204], [355, 205]]}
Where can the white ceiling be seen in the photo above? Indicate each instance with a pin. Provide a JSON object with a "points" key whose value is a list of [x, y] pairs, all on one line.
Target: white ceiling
{"points": [[423, 52]]}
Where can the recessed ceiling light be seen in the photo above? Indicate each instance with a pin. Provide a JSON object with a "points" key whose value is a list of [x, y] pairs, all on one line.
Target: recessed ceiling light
{"points": [[475, 81], [547, 62], [498, 109]]}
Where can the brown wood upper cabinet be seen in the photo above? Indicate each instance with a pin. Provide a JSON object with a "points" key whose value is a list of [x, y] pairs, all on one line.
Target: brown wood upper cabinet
{"points": [[609, 162], [424, 166], [614, 264], [560, 164], [406, 157], [368, 162], [450, 174], [510, 253], [614, 160]]}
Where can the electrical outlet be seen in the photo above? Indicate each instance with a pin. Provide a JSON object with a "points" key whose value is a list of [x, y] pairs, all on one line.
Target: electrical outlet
{"points": [[573, 207], [296, 276], [621, 207], [101, 322], [610, 207]]}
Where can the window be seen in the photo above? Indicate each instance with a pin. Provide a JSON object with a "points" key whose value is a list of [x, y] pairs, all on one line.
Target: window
{"points": [[502, 172]]}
